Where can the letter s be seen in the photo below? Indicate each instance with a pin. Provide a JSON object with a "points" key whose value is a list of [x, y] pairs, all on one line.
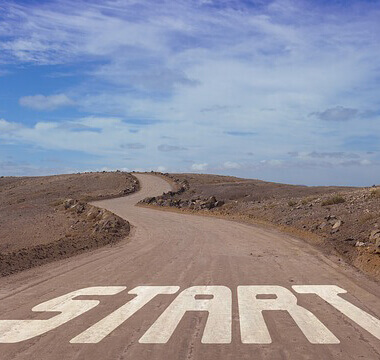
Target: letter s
{"points": [[14, 331]]}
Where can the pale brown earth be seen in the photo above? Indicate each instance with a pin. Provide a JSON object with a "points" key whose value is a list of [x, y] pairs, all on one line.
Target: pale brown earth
{"points": [[295, 209], [168, 248], [36, 228]]}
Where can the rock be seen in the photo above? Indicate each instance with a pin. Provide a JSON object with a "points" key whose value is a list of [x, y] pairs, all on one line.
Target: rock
{"points": [[337, 224], [109, 224], [78, 207], [360, 244], [209, 203], [68, 203], [100, 215], [150, 200], [331, 219], [219, 203], [183, 203], [212, 199], [92, 214], [375, 234]]}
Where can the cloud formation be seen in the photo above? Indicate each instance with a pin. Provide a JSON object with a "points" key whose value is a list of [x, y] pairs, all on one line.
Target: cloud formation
{"points": [[169, 148], [49, 102], [221, 79], [337, 113], [231, 165], [199, 167], [333, 155]]}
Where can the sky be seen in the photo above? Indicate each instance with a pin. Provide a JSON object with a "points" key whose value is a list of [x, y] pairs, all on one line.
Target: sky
{"points": [[284, 91]]}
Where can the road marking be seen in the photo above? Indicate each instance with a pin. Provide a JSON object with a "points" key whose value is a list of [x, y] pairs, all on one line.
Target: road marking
{"points": [[13, 331], [329, 293], [104, 327], [218, 325], [252, 324], [216, 300]]}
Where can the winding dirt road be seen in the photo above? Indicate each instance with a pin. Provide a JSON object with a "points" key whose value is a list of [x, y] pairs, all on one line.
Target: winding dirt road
{"points": [[201, 289]]}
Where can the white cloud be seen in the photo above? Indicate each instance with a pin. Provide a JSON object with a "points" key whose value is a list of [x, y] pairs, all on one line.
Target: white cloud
{"points": [[231, 165], [201, 72], [199, 167], [6, 126], [272, 162], [365, 162], [42, 102]]}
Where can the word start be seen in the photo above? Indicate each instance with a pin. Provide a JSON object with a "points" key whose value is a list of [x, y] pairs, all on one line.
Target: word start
{"points": [[216, 300]]}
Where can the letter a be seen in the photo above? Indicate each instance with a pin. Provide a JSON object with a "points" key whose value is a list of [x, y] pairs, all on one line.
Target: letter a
{"points": [[218, 326]]}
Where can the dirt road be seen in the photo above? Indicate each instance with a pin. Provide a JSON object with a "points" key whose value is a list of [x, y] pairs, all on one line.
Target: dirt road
{"points": [[184, 266]]}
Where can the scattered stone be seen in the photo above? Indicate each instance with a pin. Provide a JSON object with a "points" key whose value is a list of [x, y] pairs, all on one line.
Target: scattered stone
{"points": [[331, 218], [92, 214], [68, 203], [78, 207], [167, 199], [219, 203], [337, 224], [360, 244]]}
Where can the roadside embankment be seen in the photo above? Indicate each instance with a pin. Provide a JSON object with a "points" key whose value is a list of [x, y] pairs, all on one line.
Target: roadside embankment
{"points": [[47, 218], [340, 220]]}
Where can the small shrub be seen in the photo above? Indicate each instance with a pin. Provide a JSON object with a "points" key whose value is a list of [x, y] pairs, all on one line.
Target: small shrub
{"points": [[307, 200], [337, 199], [292, 203]]}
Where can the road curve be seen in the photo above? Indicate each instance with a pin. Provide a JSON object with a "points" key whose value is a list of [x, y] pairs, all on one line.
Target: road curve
{"points": [[173, 249]]}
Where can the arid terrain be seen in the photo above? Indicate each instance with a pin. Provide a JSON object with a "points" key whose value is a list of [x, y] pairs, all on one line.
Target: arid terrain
{"points": [[342, 220], [186, 286], [48, 218]]}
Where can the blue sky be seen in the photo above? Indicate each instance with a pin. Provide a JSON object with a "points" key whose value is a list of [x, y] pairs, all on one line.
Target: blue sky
{"points": [[286, 91]]}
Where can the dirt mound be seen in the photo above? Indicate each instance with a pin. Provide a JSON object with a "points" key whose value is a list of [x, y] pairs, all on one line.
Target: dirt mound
{"points": [[47, 218]]}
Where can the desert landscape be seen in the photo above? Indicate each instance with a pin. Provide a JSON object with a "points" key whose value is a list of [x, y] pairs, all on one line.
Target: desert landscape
{"points": [[63, 292], [49, 218], [189, 180]]}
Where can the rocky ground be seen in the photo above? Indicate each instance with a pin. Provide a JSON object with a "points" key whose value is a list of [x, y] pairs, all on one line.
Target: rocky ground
{"points": [[47, 218], [342, 220]]}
